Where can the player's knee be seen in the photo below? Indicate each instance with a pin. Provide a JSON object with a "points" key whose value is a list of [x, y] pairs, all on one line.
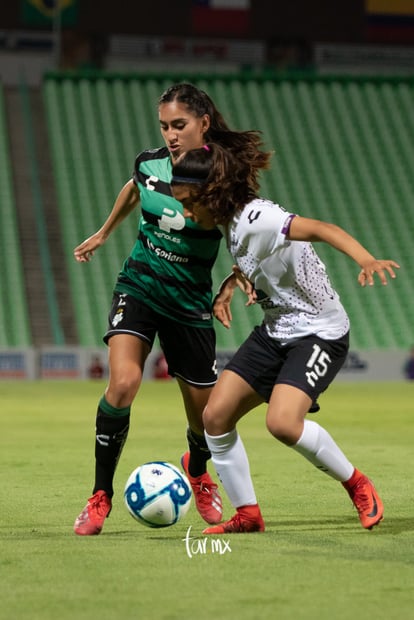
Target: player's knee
{"points": [[215, 422], [124, 386], [208, 419], [282, 427]]}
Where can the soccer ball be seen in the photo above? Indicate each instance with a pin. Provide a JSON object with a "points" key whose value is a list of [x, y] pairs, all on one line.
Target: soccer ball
{"points": [[157, 494]]}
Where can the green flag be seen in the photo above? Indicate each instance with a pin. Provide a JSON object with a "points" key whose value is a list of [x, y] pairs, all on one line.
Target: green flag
{"points": [[44, 12]]}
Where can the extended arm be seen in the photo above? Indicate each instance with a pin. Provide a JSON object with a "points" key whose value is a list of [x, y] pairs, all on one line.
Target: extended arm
{"points": [[126, 201], [305, 229]]}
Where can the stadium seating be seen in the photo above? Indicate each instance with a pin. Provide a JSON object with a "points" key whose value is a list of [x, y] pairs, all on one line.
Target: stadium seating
{"points": [[14, 323], [343, 152]]}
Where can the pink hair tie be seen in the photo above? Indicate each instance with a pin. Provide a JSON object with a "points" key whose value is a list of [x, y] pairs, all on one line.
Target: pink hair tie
{"points": [[206, 147]]}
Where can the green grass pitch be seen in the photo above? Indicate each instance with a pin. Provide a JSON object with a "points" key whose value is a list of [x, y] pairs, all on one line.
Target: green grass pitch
{"points": [[314, 561]]}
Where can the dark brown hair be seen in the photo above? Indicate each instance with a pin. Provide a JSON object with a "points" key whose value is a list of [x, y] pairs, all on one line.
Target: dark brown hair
{"points": [[199, 103], [222, 179]]}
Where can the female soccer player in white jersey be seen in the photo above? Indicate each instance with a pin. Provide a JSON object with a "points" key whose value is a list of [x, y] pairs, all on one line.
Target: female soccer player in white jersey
{"points": [[303, 341], [164, 288]]}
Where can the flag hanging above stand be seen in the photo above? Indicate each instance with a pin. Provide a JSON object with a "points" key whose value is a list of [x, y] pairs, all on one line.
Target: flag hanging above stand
{"points": [[220, 17], [44, 12]]}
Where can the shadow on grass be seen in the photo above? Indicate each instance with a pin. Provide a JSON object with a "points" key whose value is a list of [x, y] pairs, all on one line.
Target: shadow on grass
{"points": [[389, 526]]}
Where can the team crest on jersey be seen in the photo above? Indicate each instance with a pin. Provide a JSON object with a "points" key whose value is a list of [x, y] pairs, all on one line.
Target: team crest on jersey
{"points": [[119, 315]]}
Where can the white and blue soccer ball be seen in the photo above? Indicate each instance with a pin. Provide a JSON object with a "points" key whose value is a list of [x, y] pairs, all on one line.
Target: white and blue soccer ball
{"points": [[157, 494]]}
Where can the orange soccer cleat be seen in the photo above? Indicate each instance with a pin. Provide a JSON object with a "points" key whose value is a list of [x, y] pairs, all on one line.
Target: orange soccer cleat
{"points": [[91, 519], [206, 495], [365, 499], [246, 520]]}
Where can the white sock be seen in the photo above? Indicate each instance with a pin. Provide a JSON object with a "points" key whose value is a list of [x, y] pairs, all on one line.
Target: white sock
{"points": [[316, 445], [232, 466]]}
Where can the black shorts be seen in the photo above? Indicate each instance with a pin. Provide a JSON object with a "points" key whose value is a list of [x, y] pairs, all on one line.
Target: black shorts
{"points": [[309, 364], [190, 351]]}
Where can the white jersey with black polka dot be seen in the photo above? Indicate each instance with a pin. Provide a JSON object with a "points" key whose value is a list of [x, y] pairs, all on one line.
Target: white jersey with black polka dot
{"points": [[290, 279]]}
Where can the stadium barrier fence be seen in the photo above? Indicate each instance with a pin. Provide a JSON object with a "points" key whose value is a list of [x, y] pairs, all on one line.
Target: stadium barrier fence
{"points": [[74, 363]]}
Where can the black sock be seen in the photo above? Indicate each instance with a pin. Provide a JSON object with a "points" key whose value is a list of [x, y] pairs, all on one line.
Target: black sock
{"points": [[111, 434], [199, 453]]}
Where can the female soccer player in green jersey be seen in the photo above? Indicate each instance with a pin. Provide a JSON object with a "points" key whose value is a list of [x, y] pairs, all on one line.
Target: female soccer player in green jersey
{"points": [[164, 288]]}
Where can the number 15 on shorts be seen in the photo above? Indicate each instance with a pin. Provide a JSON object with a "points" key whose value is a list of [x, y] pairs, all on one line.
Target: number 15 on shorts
{"points": [[318, 365]]}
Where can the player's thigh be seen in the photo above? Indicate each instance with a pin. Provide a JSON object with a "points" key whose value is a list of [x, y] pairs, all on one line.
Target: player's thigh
{"points": [[127, 355], [231, 398]]}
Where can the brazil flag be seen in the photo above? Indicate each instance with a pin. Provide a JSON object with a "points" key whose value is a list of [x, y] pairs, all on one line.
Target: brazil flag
{"points": [[44, 12]]}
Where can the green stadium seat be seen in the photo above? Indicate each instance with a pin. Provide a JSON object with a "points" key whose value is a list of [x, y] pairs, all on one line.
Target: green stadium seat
{"points": [[343, 153], [14, 322]]}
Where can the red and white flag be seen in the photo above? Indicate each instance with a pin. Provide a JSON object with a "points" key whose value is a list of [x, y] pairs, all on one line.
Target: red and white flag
{"points": [[221, 17]]}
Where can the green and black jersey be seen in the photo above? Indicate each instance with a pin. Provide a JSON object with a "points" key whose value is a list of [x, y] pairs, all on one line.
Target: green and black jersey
{"points": [[170, 265]]}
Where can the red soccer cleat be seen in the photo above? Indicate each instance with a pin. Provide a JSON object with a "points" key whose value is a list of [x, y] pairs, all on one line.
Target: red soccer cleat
{"points": [[365, 499], [246, 520], [206, 495], [91, 519]]}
